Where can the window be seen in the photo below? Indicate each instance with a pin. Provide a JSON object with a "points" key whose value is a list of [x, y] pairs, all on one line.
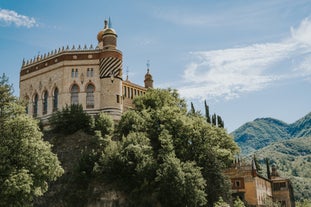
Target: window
{"points": [[45, 102], [55, 99], [74, 94], [35, 106], [90, 96], [124, 89], [128, 92], [279, 186], [90, 72], [237, 183], [118, 99], [132, 93], [72, 73]]}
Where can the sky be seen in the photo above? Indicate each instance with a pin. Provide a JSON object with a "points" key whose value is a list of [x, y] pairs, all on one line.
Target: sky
{"points": [[247, 59]]}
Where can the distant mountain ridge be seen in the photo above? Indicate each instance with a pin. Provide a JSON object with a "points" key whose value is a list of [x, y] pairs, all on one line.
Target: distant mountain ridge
{"points": [[262, 132]]}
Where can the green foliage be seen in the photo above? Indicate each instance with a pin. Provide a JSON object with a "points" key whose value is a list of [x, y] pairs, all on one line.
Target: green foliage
{"points": [[238, 203], [26, 161], [104, 124], [302, 127], [304, 203], [130, 121], [221, 203], [167, 155], [71, 119], [158, 98], [262, 132], [180, 183], [207, 114]]}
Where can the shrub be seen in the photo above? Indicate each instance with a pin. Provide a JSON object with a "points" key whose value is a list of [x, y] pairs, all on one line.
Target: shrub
{"points": [[71, 119]]}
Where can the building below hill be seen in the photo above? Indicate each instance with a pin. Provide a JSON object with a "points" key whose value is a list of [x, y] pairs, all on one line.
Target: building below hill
{"points": [[256, 190], [92, 77]]}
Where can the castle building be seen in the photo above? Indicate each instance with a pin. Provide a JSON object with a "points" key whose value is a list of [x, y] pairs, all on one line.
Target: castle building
{"points": [[85, 75], [256, 190]]}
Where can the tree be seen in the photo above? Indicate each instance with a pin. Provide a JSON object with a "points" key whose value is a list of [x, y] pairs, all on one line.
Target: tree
{"points": [[179, 157], [221, 203], [214, 120], [267, 161], [207, 114], [257, 165], [104, 124], [71, 119], [27, 164], [238, 203], [220, 122]]}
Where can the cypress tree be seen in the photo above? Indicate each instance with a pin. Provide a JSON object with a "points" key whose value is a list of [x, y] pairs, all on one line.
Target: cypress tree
{"points": [[214, 120], [192, 111], [220, 122], [207, 115], [268, 168]]}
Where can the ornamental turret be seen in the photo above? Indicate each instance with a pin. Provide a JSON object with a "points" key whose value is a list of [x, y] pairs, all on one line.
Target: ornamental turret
{"points": [[148, 78]]}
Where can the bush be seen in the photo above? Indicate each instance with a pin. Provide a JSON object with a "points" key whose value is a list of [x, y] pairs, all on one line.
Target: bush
{"points": [[71, 119], [104, 124]]}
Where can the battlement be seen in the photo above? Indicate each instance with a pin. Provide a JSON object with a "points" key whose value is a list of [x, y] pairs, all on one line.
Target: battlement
{"points": [[57, 52]]}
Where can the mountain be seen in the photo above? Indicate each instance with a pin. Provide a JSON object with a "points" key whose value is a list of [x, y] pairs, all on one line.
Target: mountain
{"points": [[302, 127], [264, 131]]}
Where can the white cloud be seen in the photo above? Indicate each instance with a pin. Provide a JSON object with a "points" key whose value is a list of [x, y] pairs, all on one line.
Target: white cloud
{"points": [[8, 17], [228, 73]]}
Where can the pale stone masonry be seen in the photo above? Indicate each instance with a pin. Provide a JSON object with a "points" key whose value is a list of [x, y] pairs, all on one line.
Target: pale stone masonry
{"points": [[91, 76]]}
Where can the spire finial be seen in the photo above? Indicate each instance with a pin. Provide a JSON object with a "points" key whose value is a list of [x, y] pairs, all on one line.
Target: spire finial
{"points": [[127, 72], [109, 23], [106, 24], [148, 65]]}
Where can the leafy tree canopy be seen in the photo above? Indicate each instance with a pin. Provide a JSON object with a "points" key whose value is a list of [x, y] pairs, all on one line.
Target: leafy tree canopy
{"points": [[167, 155], [26, 161]]}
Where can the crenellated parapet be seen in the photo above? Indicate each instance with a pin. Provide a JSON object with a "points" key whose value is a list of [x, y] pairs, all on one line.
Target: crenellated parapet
{"points": [[57, 52]]}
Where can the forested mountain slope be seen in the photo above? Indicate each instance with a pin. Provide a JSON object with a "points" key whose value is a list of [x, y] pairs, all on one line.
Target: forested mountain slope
{"points": [[264, 131]]}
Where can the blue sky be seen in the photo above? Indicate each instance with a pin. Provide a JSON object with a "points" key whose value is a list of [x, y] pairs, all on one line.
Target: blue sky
{"points": [[248, 59]]}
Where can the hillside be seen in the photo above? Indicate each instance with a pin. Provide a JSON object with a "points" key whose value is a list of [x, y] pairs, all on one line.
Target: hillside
{"points": [[293, 160], [264, 131]]}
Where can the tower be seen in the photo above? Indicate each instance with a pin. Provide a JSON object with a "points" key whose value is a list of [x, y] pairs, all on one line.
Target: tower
{"points": [[148, 77], [110, 72]]}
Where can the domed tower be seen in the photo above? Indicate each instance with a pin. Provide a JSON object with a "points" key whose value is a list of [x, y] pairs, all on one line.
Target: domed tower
{"points": [[148, 78], [110, 71]]}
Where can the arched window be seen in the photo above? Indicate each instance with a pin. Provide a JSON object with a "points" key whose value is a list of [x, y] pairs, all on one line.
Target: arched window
{"points": [[90, 96], [55, 99], [45, 102], [74, 94], [35, 105]]}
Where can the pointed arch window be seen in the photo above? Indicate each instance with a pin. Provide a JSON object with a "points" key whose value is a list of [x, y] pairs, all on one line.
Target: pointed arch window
{"points": [[35, 105], [74, 94], [55, 99], [45, 102], [90, 96]]}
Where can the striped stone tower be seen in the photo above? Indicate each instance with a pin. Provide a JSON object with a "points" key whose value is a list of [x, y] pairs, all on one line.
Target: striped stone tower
{"points": [[110, 72]]}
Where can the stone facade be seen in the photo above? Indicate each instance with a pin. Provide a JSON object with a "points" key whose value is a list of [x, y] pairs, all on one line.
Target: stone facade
{"points": [[80, 75], [256, 190]]}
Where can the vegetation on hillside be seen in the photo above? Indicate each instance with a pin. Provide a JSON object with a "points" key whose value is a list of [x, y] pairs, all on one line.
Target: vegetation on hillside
{"points": [[157, 154], [262, 132], [26, 161]]}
